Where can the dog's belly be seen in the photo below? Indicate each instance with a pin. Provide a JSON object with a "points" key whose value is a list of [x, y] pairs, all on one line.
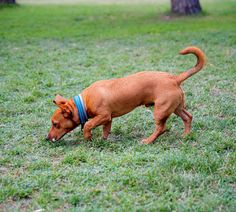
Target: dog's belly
{"points": [[122, 111]]}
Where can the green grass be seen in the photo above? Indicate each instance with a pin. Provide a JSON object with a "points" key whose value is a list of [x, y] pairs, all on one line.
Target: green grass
{"points": [[45, 50]]}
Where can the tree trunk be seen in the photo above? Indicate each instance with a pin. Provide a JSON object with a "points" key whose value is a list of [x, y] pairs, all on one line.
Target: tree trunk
{"points": [[185, 7], [7, 1]]}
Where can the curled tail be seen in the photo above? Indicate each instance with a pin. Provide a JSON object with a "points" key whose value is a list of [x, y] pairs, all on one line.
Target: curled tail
{"points": [[200, 63]]}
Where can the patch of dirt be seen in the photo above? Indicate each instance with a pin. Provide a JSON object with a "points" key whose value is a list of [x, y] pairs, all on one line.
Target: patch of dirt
{"points": [[3, 171], [11, 205]]}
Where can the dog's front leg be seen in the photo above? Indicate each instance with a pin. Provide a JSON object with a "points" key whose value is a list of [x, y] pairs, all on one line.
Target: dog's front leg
{"points": [[96, 121], [106, 130]]}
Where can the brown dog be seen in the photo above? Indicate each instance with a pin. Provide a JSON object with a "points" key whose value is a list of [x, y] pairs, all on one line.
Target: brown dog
{"points": [[107, 99]]}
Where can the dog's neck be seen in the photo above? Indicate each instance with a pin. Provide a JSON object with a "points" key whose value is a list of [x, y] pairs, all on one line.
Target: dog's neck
{"points": [[81, 110]]}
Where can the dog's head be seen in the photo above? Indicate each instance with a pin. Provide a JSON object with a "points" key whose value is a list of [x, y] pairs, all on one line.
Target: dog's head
{"points": [[63, 120]]}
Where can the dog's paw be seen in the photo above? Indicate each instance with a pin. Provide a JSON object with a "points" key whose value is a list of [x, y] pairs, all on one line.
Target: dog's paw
{"points": [[88, 137], [145, 141], [104, 137]]}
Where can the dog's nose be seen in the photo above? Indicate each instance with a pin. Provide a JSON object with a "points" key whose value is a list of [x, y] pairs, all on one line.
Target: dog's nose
{"points": [[47, 138]]}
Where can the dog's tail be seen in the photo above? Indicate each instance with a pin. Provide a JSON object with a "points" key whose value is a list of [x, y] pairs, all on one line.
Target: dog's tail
{"points": [[200, 63]]}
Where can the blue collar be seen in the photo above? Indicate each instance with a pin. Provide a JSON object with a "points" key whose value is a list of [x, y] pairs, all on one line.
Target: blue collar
{"points": [[81, 109]]}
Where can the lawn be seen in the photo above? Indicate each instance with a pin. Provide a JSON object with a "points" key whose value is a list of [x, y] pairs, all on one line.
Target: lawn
{"points": [[50, 49]]}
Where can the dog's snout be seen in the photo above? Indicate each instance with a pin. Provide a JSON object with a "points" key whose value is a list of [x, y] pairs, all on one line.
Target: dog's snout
{"points": [[50, 138]]}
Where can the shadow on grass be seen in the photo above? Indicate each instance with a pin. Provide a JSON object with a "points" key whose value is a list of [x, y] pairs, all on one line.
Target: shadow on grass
{"points": [[119, 143], [96, 143]]}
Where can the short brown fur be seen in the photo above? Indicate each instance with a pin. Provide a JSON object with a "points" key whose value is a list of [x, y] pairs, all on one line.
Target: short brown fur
{"points": [[107, 99]]}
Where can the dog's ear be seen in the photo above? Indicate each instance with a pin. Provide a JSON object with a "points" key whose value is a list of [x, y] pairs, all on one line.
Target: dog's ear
{"points": [[61, 102]]}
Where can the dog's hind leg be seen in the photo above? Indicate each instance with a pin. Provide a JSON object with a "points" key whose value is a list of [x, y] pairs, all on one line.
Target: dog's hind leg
{"points": [[161, 114], [186, 117]]}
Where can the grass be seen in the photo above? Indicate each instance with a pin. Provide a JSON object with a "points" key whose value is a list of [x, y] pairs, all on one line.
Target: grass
{"points": [[49, 49]]}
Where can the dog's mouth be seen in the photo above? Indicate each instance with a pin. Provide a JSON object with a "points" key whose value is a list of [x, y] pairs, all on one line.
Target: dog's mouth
{"points": [[60, 137], [53, 140]]}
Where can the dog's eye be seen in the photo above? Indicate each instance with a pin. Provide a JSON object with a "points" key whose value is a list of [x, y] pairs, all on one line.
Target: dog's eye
{"points": [[56, 125]]}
